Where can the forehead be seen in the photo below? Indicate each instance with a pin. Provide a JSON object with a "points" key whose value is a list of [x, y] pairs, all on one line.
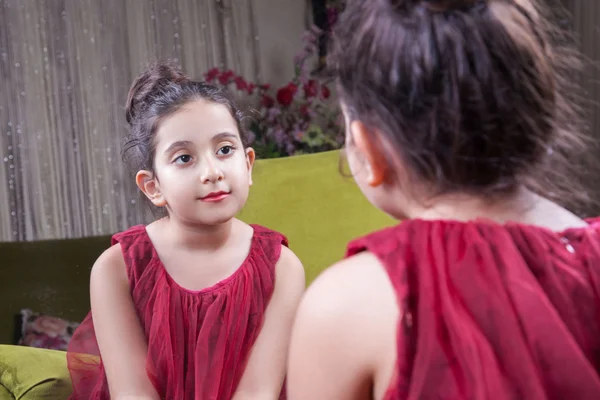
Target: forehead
{"points": [[196, 121]]}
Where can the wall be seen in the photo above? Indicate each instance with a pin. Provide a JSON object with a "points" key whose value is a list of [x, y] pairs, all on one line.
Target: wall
{"points": [[280, 24]]}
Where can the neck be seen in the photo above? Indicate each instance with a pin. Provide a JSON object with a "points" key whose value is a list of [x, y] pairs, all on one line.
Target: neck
{"points": [[514, 207], [198, 236]]}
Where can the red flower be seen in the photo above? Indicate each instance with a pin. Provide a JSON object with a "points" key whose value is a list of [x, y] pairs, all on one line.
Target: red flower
{"points": [[267, 101], [265, 86], [212, 74], [304, 110], [240, 83], [310, 89], [250, 88], [285, 95], [325, 92], [225, 77]]}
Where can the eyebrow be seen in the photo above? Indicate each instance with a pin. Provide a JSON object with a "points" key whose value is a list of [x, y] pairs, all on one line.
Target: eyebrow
{"points": [[177, 145], [225, 135]]}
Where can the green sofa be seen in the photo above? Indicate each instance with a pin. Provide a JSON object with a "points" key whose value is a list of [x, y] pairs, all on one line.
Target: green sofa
{"points": [[304, 197]]}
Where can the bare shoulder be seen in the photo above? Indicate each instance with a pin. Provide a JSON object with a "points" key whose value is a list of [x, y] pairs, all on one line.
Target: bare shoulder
{"points": [[348, 292], [289, 272], [110, 266], [349, 313]]}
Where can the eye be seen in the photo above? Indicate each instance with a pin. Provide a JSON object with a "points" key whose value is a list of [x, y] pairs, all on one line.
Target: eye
{"points": [[225, 150], [183, 159]]}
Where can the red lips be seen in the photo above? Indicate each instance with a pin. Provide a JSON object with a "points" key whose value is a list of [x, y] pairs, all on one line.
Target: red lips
{"points": [[215, 196]]}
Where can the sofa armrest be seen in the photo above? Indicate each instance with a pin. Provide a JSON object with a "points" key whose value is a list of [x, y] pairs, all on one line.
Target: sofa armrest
{"points": [[30, 373]]}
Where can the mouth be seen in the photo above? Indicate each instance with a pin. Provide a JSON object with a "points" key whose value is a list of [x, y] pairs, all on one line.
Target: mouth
{"points": [[215, 197]]}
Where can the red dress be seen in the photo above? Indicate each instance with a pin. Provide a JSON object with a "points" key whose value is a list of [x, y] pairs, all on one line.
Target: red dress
{"points": [[493, 311], [198, 341]]}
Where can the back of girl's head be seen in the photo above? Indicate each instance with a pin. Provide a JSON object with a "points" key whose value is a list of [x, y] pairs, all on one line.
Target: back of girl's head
{"points": [[157, 93], [469, 95]]}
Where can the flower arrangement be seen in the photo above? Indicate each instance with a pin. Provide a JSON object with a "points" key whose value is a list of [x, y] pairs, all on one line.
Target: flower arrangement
{"points": [[296, 118], [333, 9]]}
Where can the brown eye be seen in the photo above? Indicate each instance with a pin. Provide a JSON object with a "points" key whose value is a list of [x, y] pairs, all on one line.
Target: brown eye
{"points": [[225, 150], [183, 159]]}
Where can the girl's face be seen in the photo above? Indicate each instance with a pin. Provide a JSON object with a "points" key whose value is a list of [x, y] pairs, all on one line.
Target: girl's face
{"points": [[202, 171]]}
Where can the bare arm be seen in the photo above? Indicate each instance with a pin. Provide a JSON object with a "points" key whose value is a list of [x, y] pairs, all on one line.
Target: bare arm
{"points": [[344, 334], [120, 336], [265, 372]]}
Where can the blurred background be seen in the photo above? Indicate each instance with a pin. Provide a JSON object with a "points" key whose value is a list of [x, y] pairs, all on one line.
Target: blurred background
{"points": [[66, 66]]}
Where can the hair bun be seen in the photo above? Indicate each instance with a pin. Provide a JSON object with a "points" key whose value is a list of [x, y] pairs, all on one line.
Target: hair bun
{"points": [[155, 78]]}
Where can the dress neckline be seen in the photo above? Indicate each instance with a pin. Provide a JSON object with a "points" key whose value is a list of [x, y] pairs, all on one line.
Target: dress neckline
{"points": [[210, 289]]}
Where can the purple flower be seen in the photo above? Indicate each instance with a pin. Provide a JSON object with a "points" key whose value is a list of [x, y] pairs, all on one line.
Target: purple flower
{"points": [[290, 148], [298, 134], [273, 113], [316, 30], [308, 36], [279, 136]]}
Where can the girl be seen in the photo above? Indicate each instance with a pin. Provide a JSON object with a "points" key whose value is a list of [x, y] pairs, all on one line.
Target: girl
{"points": [[196, 305], [456, 120]]}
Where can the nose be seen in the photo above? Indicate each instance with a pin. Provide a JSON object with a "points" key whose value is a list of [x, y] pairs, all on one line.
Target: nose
{"points": [[211, 173]]}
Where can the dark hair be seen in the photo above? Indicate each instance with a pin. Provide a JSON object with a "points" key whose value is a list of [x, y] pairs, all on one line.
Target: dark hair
{"points": [[471, 95], [158, 92]]}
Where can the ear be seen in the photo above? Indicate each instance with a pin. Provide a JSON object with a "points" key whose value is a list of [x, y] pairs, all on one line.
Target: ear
{"points": [[250, 158], [365, 143], [148, 184]]}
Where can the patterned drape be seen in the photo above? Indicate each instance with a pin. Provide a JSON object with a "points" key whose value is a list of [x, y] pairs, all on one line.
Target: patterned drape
{"points": [[65, 68]]}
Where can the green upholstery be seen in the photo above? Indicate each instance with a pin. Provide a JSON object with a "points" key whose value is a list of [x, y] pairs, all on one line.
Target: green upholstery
{"points": [[28, 373], [4, 393], [303, 197], [307, 199]]}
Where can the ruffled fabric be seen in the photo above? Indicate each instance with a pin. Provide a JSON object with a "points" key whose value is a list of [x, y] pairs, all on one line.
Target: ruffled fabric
{"points": [[198, 341], [493, 311]]}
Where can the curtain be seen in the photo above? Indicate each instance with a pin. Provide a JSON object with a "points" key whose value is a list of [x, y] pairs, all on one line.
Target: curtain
{"points": [[584, 20], [65, 69], [586, 23]]}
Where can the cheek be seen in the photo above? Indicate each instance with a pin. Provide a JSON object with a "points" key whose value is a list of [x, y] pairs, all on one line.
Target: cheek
{"points": [[238, 171], [178, 181]]}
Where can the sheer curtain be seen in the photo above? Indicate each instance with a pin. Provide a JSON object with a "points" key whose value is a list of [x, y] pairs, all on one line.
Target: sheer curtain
{"points": [[584, 19], [65, 68]]}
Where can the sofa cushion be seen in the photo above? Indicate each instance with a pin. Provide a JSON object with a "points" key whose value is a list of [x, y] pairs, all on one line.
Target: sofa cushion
{"points": [[319, 210], [5, 394], [29, 373], [45, 331]]}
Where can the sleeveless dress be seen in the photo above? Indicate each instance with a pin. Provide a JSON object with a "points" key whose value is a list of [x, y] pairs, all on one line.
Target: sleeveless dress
{"points": [[198, 341], [493, 311]]}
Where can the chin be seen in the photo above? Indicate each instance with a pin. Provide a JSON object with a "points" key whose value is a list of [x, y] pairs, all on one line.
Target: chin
{"points": [[217, 217], [208, 218], [216, 220]]}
